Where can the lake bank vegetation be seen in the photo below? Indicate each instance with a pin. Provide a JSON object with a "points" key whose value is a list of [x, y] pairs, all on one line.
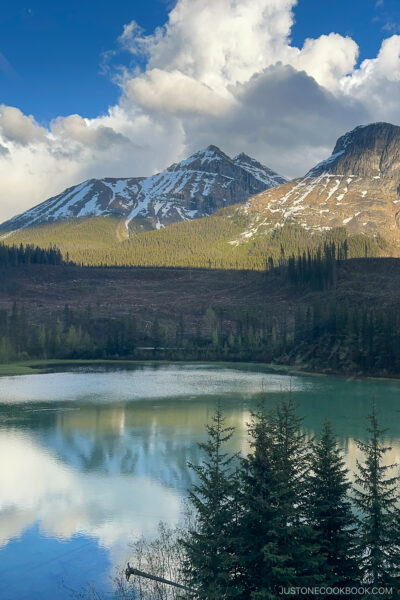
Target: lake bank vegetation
{"points": [[333, 338]]}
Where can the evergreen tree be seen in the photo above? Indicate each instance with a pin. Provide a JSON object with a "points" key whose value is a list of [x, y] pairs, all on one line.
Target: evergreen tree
{"points": [[262, 567], [210, 565], [277, 545], [296, 539], [376, 497], [330, 511]]}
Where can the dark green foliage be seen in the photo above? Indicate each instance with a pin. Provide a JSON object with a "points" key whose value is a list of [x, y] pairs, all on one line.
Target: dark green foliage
{"points": [[316, 270], [345, 338], [277, 545], [330, 512], [262, 564], [286, 519], [297, 539], [376, 495], [210, 567], [333, 336], [11, 256]]}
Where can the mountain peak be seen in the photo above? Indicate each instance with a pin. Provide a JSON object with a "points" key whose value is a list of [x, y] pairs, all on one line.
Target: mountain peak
{"points": [[356, 188], [202, 158], [371, 135], [193, 188], [212, 148], [367, 150]]}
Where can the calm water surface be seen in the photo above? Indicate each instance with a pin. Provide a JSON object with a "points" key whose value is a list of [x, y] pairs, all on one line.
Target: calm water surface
{"points": [[91, 460]]}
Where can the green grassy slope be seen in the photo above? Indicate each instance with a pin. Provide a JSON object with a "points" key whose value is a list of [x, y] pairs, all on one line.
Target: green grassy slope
{"points": [[72, 236], [209, 242]]}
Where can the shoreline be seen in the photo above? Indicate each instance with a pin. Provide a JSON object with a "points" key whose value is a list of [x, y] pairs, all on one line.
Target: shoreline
{"points": [[42, 367]]}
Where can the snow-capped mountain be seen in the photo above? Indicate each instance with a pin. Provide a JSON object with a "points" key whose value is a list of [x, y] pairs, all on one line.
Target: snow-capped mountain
{"points": [[196, 187], [357, 187]]}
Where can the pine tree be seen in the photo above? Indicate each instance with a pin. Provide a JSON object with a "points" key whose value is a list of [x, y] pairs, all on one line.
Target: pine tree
{"points": [[330, 512], [376, 497], [210, 565]]}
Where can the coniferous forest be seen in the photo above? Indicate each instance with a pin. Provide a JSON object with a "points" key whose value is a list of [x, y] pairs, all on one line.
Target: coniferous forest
{"points": [[11, 256], [324, 332], [212, 242], [288, 519], [337, 338]]}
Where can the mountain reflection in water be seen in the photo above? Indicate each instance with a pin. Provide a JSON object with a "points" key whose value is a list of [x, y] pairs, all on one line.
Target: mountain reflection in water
{"points": [[91, 460]]}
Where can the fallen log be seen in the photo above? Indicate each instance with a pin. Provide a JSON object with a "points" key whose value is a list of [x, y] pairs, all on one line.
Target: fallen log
{"points": [[132, 571]]}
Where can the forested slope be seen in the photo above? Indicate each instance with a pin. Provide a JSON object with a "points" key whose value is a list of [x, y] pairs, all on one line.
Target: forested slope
{"points": [[204, 243], [317, 313]]}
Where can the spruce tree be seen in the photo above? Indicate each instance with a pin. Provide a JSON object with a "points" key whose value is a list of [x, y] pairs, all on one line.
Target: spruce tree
{"points": [[296, 539], [262, 566], [278, 549], [210, 564], [376, 497], [330, 512]]}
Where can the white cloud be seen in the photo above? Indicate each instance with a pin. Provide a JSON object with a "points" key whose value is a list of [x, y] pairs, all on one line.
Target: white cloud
{"points": [[86, 132], [175, 93], [219, 71], [19, 128], [377, 82], [220, 42], [328, 59]]}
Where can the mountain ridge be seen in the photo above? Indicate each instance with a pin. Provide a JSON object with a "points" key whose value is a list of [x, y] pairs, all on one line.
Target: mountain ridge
{"points": [[358, 187], [193, 188], [354, 194]]}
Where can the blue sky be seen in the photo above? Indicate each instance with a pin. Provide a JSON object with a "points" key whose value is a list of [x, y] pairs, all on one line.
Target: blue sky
{"points": [[366, 21], [95, 89], [52, 51]]}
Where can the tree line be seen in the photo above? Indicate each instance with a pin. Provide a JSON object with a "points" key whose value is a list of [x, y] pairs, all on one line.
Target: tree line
{"points": [[334, 336], [30, 255], [285, 520]]}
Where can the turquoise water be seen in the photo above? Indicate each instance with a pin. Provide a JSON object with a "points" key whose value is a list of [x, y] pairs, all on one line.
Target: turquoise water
{"points": [[89, 460]]}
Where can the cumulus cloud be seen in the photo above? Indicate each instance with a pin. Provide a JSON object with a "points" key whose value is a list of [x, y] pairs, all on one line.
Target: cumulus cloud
{"points": [[328, 59], [175, 93], [219, 71], [19, 128], [283, 113], [377, 82], [86, 132]]}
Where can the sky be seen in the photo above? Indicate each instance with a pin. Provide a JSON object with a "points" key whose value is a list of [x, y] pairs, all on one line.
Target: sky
{"points": [[127, 88]]}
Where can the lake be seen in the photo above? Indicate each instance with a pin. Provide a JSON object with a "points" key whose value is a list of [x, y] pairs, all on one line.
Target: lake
{"points": [[92, 458]]}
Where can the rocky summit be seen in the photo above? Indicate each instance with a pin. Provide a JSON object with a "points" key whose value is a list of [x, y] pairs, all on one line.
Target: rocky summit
{"points": [[196, 187], [357, 187]]}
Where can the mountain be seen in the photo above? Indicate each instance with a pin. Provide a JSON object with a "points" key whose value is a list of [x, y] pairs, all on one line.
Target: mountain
{"points": [[194, 188], [353, 194], [357, 187]]}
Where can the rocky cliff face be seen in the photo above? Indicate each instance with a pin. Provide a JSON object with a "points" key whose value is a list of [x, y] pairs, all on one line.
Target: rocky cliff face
{"points": [[367, 151], [194, 188], [357, 187]]}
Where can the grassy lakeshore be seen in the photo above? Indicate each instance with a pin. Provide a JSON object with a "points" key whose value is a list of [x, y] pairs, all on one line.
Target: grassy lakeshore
{"points": [[37, 367], [33, 367]]}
